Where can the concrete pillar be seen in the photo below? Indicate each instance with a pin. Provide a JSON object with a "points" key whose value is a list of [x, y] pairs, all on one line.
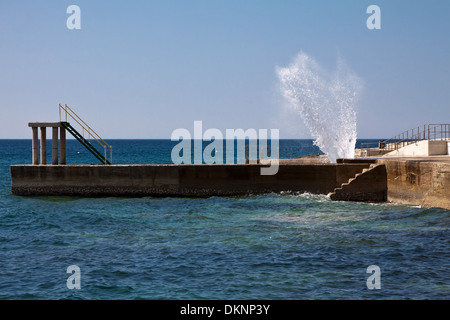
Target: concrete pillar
{"points": [[35, 145], [43, 145], [63, 145], [55, 145]]}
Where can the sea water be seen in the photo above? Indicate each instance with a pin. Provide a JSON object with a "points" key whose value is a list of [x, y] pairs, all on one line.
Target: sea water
{"points": [[274, 246]]}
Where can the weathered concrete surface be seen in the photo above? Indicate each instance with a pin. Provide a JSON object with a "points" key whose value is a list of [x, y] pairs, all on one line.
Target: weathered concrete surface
{"points": [[370, 185], [176, 180], [424, 182]]}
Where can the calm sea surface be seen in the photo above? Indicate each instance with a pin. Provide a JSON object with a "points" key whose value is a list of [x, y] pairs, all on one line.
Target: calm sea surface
{"points": [[275, 246]]}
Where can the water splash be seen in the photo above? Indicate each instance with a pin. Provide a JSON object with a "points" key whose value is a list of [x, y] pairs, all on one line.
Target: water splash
{"points": [[326, 103]]}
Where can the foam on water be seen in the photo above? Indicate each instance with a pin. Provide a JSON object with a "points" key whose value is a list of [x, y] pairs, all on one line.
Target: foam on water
{"points": [[325, 101]]}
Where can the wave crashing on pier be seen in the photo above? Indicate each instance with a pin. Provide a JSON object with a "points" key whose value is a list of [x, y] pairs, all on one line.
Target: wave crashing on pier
{"points": [[326, 102]]}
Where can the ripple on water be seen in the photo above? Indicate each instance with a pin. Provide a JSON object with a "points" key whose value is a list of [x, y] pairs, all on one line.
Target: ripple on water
{"points": [[275, 246]]}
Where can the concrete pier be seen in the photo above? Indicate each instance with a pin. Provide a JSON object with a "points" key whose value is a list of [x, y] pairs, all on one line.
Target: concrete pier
{"points": [[412, 181], [177, 180], [423, 181]]}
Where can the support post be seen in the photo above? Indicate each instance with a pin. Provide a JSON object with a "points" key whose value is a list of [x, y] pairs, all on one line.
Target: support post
{"points": [[63, 145], [43, 145], [55, 145], [35, 145]]}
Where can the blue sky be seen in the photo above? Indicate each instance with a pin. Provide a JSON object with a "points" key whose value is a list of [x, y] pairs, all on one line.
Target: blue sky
{"points": [[141, 69]]}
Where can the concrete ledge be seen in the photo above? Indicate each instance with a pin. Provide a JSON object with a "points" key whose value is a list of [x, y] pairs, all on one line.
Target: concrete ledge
{"points": [[357, 160], [45, 124]]}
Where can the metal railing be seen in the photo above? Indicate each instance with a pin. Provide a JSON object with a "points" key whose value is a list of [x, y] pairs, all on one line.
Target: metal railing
{"points": [[426, 132], [68, 112]]}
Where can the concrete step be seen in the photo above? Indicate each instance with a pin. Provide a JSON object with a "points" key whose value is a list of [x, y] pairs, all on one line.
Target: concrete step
{"points": [[346, 186], [355, 189]]}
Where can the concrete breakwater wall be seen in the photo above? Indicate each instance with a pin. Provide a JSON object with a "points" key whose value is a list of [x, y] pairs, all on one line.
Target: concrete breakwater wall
{"points": [[177, 180], [423, 182]]}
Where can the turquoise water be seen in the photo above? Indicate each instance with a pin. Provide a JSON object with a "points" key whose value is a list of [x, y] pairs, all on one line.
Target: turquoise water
{"points": [[275, 246]]}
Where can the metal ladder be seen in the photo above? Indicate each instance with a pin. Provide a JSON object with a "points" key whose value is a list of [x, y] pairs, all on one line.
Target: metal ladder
{"points": [[69, 113]]}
